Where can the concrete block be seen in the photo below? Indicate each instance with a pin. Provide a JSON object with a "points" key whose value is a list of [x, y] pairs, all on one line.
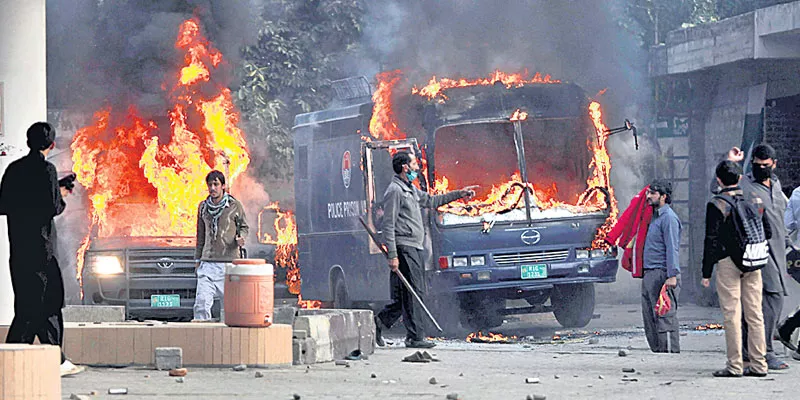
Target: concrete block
{"points": [[304, 351], [29, 372], [338, 332], [284, 315], [168, 358], [74, 313], [299, 334]]}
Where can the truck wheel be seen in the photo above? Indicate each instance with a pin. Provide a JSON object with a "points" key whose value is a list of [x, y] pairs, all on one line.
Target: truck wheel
{"points": [[573, 305], [340, 297]]}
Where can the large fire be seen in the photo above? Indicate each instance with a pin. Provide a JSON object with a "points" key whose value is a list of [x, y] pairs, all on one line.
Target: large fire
{"points": [[285, 242], [147, 180], [506, 195]]}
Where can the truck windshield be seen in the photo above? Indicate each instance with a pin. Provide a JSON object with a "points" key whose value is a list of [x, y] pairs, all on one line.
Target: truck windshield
{"points": [[557, 158]]}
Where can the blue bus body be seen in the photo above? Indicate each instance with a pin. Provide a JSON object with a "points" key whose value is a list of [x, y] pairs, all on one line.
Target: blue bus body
{"points": [[473, 264]]}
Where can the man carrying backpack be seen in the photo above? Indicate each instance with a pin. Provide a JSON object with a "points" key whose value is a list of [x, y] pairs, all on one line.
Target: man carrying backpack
{"points": [[737, 230], [764, 184]]}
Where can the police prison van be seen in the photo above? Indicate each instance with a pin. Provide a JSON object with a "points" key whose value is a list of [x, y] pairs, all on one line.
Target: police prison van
{"points": [[480, 255]]}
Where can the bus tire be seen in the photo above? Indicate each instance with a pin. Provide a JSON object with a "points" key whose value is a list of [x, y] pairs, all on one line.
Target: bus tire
{"points": [[340, 297], [573, 305]]}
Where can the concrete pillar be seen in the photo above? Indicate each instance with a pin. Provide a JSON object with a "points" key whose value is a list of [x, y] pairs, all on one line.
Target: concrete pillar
{"points": [[23, 82]]}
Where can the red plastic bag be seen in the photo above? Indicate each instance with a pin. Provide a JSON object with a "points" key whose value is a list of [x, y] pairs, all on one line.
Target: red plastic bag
{"points": [[664, 304]]}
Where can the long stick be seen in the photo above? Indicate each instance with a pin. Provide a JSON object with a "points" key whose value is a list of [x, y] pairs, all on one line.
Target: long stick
{"points": [[403, 279]]}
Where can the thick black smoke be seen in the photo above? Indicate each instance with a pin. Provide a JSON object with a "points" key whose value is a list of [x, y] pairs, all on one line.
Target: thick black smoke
{"points": [[121, 52]]}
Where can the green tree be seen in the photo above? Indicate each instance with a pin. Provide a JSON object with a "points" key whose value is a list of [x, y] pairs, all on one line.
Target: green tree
{"points": [[299, 50], [652, 19]]}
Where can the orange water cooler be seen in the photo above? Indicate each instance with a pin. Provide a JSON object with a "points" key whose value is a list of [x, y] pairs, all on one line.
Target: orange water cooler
{"points": [[249, 297]]}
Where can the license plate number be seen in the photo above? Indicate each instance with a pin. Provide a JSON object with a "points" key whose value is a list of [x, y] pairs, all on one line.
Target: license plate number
{"points": [[535, 271], [165, 300]]}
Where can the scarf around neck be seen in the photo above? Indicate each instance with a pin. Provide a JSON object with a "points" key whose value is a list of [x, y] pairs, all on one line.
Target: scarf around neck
{"points": [[215, 210]]}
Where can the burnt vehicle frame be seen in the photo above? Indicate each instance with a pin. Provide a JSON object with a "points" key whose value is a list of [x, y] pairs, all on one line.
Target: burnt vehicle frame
{"points": [[339, 264]]}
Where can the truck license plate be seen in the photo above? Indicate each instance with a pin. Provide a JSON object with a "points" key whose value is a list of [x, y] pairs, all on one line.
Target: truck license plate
{"points": [[535, 271], [165, 300]]}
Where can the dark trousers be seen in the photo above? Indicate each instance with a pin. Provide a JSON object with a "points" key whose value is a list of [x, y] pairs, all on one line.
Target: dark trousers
{"points": [[772, 306], [792, 322], [38, 298], [403, 303], [663, 334]]}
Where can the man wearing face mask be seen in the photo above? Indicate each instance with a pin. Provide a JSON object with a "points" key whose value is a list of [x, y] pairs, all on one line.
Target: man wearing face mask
{"points": [[763, 183], [403, 234]]}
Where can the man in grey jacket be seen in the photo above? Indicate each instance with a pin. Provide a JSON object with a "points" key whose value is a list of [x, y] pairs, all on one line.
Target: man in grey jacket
{"points": [[763, 182], [404, 233]]}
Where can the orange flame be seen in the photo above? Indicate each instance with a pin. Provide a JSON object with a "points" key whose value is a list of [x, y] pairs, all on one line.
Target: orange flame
{"points": [[434, 88], [383, 124], [285, 241], [139, 186], [479, 337], [518, 115]]}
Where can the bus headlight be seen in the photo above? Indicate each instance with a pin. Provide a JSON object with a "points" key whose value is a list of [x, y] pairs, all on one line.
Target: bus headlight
{"points": [[477, 261], [459, 261], [106, 265], [581, 254]]}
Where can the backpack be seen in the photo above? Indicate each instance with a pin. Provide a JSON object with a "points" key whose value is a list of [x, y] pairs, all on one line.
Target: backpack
{"points": [[750, 234]]}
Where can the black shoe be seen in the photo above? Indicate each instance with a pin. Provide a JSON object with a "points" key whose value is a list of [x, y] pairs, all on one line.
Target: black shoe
{"points": [[420, 344], [724, 373], [784, 338], [378, 332], [796, 355], [749, 372]]}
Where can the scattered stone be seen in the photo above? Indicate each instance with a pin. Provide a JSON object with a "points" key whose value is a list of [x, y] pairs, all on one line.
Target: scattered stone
{"points": [[574, 376], [179, 379], [623, 353], [600, 377], [452, 396], [532, 380], [94, 393], [296, 396], [259, 374], [392, 381], [461, 374], [118, 391], [589, 386], [667, 383], [341, 362], [168, 358], [178, 372], [630, 347], [240, 368], [74, 396], [630, 380], [536, 397], [347, 365], [147, 377], [433, 380], [373, 376], [628, 370], [556, 376], [656, 372], [594, 340], [555, 356], [385, 382]]}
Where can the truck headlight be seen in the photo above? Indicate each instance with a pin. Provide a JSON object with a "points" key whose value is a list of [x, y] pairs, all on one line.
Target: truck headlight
{"points": [[106, 265], [477, 261], [459, 261], [598, 253], [581, 254]]}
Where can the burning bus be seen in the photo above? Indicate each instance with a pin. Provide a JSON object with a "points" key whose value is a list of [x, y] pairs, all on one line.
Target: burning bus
{"points": [[537, 148]]}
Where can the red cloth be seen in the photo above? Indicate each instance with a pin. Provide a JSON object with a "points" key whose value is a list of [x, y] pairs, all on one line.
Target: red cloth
{"points": [[630, 231], [664, 304]]}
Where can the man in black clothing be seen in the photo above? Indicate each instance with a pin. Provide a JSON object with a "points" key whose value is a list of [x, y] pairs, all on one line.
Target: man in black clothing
{"points": [[30, 197], [404, 233], [739, 288]]}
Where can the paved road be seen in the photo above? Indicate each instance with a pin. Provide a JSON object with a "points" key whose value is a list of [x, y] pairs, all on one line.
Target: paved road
{"points": [[569, 368]]}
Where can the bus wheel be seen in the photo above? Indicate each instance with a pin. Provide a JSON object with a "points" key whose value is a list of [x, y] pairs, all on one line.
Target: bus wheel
{"points": [[573, 305], [340, 297]]}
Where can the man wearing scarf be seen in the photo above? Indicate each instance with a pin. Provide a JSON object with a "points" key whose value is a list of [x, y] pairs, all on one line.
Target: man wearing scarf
{"points": [[221, 231]]}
